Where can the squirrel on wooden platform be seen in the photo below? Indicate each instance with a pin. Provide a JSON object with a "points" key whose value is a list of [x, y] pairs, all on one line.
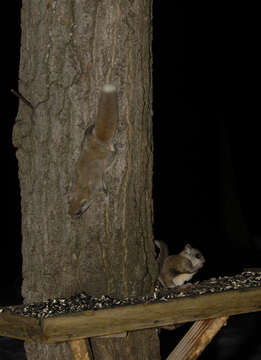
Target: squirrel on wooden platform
{"points": [[97, 153], [175, 270]]}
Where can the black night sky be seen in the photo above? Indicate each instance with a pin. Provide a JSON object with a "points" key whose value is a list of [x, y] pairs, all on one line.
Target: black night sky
{"points": [[207, 139], [207, 134]]}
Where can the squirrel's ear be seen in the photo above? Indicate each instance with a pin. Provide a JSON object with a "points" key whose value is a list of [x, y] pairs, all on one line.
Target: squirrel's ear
{"points": [[188, 247], [157, 243]]}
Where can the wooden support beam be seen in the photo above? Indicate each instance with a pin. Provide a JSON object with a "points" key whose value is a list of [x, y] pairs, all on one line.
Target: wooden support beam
{"points": [[197, 338], [80, 350], [120, 319]]}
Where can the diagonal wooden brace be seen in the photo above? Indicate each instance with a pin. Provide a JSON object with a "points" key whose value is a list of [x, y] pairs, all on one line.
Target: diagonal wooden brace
{"points": [[197, 338], [80, 349]]}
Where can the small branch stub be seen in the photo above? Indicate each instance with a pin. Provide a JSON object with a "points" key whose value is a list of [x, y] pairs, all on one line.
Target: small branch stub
{"points": [[21, 97]]}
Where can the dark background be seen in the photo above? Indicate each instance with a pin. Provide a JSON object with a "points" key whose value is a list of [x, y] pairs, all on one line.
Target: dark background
{"points": [[207, 133], [207, 153], [207, 150]]}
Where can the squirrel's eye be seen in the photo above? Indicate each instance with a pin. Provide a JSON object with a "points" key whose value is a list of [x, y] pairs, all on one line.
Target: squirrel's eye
{"points": [[198, 255]]}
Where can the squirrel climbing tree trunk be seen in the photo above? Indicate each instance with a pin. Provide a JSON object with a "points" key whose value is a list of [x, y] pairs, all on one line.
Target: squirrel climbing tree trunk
{"points": [[69, 50]]}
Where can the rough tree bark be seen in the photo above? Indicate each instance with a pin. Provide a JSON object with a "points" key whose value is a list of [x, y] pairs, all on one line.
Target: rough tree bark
{"points": [[69, 49]]}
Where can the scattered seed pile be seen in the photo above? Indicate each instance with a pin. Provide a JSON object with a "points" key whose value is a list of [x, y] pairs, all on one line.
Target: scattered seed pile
{"points": [[83, 301]]}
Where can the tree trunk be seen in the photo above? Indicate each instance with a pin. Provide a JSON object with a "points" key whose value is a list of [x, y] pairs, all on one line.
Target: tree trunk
{"points": [[69, 50]]}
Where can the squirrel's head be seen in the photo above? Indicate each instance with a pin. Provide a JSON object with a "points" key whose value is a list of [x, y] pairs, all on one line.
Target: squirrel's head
{"points": [[79, 203], [194, 255]]}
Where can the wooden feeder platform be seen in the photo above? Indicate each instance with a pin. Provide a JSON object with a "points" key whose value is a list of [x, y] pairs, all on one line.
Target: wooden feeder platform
{"points": [[209, 312]]}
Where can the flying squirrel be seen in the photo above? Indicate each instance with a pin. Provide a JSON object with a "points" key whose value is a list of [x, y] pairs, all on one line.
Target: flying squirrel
{"points": [[175, 270], [96, 155]]}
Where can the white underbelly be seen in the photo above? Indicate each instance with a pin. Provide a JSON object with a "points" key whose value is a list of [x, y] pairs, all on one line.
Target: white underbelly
{"points": [[181, 279]]}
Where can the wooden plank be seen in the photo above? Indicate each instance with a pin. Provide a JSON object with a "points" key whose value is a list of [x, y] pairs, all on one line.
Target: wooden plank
{"points": [[20, 327], [111, 336], [133, 317], [197, 338], [126, 318]]}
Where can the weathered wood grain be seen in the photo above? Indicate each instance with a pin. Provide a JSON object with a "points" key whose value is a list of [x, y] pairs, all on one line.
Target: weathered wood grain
{"points": [[80, 350], [20, 327]]}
